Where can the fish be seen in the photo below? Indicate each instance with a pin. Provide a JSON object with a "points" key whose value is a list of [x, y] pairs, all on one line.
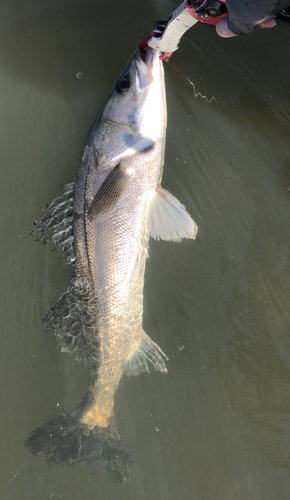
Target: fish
{"points": [[102, 223]]}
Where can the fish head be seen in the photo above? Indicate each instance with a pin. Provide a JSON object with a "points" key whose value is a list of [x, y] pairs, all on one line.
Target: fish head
{"points": [[135, 114]]}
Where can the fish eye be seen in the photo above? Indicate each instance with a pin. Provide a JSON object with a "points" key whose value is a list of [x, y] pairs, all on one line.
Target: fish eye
{"points": [[123, 85]]}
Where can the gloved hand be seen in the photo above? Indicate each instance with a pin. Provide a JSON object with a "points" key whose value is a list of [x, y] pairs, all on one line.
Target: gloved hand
{"points": [[245, 14]]}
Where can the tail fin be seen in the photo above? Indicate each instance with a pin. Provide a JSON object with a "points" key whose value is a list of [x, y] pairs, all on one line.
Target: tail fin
{"points": [[66, 441]]}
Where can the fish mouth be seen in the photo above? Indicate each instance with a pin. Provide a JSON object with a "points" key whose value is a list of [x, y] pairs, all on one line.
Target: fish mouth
{"points": [[147, 67]]}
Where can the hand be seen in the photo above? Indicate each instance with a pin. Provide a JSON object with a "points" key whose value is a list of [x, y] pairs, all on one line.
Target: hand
{"points": [[224, 31]]}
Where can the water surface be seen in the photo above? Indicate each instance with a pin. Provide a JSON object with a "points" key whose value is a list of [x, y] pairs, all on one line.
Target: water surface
{"points": [[217, 426]]}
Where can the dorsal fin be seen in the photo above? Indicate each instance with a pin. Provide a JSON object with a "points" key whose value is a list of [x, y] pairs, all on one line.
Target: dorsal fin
{"points": [[56, 225]]}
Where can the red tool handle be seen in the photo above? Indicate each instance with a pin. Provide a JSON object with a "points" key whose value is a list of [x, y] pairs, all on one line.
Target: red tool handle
{"points": [[206, 11], [167, 34]]}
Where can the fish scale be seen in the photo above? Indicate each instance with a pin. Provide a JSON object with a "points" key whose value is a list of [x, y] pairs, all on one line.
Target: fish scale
{"points": [[103, 223]]}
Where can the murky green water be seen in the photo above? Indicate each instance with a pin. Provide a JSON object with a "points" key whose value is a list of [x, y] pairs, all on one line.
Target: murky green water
{"points": [[217, 426]]}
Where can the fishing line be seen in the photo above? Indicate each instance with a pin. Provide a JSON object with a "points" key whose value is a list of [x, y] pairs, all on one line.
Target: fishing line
{"points": [[196, 93], [199, 94]]}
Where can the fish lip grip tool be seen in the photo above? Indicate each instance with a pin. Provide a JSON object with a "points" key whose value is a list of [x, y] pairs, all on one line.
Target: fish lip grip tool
{"points": [[166, 34]]}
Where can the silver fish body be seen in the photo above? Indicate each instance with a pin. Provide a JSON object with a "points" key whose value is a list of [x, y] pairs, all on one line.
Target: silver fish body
{"points": [[114, 207]]}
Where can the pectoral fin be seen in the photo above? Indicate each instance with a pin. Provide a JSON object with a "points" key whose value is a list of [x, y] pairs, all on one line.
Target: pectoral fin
{"points": [[168, 219], [110, 192]]}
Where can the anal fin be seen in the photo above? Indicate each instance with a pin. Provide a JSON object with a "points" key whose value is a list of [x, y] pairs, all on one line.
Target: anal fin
{"points": [[146, 350]]}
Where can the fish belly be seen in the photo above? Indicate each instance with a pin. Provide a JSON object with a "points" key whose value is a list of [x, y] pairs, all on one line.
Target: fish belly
{"points": [[117, 257]]}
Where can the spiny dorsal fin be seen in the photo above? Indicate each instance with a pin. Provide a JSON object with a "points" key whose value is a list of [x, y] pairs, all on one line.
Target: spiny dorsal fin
{"points": [[56, 225], [168, 218]]}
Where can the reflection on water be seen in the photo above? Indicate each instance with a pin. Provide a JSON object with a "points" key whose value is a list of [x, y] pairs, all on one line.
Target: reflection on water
{"points": [[217, 425]]}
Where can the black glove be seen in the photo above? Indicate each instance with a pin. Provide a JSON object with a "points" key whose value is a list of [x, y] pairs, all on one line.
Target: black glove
{"points": [[245, 14]]}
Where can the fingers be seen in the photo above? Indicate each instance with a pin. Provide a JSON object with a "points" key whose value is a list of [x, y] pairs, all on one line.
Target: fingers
{"points": [[269, 23], [223, 30]]}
